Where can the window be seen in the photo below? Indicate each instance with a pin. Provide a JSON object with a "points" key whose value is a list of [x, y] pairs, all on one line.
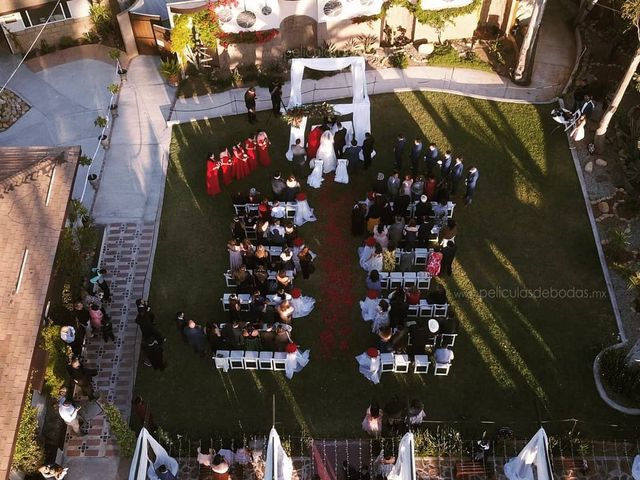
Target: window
{"points": [[39, 15]]}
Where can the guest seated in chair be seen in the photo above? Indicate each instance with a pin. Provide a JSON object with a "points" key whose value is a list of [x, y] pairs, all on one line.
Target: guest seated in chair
{"points": [[443, 355]]}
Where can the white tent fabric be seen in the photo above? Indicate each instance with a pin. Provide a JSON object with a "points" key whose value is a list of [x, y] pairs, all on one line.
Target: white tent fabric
{"points": [[536, 452], [360, 106], [141, 466], [405, 467], [635, 469], [295, 362], [278, 465]]}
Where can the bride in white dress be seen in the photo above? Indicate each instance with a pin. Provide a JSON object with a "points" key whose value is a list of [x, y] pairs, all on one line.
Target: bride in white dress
{"points": [[342, 175], [315, 179], [304, 213], [302, 305], [326, 153]]}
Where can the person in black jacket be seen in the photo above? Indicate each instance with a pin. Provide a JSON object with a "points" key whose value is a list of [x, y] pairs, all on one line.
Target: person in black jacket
{"points": [[250, 103]]}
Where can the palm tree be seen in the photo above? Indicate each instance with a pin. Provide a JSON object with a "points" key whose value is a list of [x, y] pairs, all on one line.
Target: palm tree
{"points": [[630, 12]]}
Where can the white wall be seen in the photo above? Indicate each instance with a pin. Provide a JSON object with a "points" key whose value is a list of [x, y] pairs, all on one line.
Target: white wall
{"points": [[13, 22]]}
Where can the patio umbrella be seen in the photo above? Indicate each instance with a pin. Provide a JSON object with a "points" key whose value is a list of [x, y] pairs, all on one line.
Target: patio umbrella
{"points": [[405, 466], [536, 452], [278, 466], [141, 466]]}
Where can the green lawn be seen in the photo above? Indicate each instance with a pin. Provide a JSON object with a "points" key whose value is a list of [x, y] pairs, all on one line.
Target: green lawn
{"points": [[517, 360]]}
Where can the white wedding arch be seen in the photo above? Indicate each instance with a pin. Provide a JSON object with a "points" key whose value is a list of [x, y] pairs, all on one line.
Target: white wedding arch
{"points": [[360, 106]]}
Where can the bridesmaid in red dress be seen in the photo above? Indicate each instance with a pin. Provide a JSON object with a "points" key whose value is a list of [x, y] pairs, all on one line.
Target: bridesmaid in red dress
{"points": [[263, 149], [239, 171], [213, 182], [313, 141], [250, 149], [226, 165]]}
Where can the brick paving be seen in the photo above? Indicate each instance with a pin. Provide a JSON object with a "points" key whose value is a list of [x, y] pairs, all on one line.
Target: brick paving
{"points": [[126, 254]]}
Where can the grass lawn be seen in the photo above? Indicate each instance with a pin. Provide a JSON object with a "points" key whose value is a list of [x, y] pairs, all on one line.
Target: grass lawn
{"points": [[447, 56], [517, 359]]}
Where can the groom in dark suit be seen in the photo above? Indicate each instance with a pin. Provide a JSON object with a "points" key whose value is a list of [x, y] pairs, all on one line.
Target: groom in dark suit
{"points": [[340, 140]]}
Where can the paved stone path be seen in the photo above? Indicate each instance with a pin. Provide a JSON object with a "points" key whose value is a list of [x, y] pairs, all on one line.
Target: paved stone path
{"points": [[126, 254]]}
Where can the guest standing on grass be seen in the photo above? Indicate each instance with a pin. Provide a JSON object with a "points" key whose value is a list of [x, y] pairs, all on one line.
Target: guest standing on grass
{"points": [[367, 149], [352, 154], [472, 183], [416, 153], [250, 103], [196, 337], [398, 151], [276, 98], [154, 352], [181, 322], [456, 174], [339, 140], [299, 159], [448, 254], [431, 158]]}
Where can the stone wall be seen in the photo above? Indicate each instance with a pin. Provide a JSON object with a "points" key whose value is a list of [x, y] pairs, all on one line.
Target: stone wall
{"points": [[462, 27], [72, 27]]}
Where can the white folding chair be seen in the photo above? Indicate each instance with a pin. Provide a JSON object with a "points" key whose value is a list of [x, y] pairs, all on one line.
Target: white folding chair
{"points": [[384, 280], [252, 208], [290, 210], [228, 279], [250, 232], [423, 280], [387, 362], [279, 360], [265, 360], [225, 302], [431, 341], [421, 364], [440, 310], [420, 256], [448, 339], [442, 369], [395, 280], [401, 363], [413, 311], [245, 300], [410, 279], [240, 208], [250, 360], [221, 359], [426, 310], [236, 360], [450, 207]]}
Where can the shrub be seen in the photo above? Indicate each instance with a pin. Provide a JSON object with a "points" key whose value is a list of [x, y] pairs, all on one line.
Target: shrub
{"points": [[398, 59], [270, 73], [28, 455], [101, 19], [435, 443], [616, 247], [66, 42], [90, 37], [221, 82], [50, 342], [124, 435], [248, 73], [46, 48], [617, 374]]}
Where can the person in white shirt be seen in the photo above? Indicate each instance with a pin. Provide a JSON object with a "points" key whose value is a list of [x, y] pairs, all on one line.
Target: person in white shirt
{"points": [[278, 211], [69, 413]]}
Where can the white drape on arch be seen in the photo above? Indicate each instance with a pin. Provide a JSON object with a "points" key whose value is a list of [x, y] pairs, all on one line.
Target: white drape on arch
{"points": [[360, 107]]}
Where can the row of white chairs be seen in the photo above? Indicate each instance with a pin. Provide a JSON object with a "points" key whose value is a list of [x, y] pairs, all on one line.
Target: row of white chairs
{"points": [[252, 208], [249, 360], [230, 282], [441, 340], [393, 280], [273, 252], [426, 310], [411, 208], [400, 363]]}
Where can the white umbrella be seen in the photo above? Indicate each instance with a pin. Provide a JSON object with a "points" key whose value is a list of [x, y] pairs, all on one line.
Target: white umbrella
{"points": [[536, 452], [279, 466], [405, 466]]}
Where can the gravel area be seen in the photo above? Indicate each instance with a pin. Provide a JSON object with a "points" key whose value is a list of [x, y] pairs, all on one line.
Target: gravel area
{"points": [[601, 182]]}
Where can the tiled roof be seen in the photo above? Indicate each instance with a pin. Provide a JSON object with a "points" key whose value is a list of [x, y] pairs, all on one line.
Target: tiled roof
{"points": [[30, 229]]}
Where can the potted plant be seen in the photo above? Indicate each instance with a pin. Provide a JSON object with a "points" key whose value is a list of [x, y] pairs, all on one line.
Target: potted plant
{"points": [[170, 70], [84, 160], [114, 53], [114, 89], [100, 121]]}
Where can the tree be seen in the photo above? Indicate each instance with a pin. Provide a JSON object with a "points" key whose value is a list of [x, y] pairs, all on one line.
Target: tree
{"points": [[630, 12]]}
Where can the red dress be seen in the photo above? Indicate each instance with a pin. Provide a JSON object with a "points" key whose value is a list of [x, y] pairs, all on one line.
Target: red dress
{"points": [[250, 149], [239, 172], [430, 188], [313, 142], [226, 164], [264, 158], [213, 182]]}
